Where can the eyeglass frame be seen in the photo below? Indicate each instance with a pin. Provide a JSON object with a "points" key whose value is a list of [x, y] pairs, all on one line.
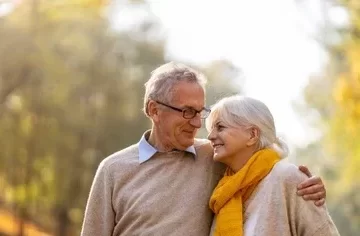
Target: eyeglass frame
{"points": [[186, 109]]}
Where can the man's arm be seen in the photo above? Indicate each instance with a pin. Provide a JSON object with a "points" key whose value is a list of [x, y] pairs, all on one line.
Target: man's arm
{"points": [[305, 218], [99, 215], [312, 189]]}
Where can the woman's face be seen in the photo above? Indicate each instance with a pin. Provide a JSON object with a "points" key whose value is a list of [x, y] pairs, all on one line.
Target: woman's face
{"points": [[229, 142]]}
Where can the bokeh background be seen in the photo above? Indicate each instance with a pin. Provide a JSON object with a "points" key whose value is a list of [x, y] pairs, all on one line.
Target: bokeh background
{"points": [[71, 90]]}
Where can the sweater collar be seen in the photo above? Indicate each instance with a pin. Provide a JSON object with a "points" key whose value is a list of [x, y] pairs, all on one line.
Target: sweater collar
{"points": [[146, 151]]}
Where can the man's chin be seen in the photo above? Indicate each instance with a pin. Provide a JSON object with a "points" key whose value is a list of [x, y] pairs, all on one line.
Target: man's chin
{"points": [[188, 143], [189, 135]]}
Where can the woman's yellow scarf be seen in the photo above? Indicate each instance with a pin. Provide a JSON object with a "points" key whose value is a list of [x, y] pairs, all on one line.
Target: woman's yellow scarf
{"points": [[235, 188]]}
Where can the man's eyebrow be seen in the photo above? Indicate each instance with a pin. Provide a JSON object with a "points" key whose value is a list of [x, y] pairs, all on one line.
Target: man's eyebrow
{"points": [[194, 108]]}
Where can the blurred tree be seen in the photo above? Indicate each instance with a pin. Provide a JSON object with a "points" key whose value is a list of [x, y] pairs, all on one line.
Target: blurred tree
{"points": [[337, 104], [224, 79], [71, 92], [66, 104]]}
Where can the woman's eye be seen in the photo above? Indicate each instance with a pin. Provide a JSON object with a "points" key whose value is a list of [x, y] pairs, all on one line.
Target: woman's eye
{"points": [[220, 127]]}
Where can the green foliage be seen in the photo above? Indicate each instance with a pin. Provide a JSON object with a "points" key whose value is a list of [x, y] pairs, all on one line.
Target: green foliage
{"points": [[338, 105], [71, 93]]}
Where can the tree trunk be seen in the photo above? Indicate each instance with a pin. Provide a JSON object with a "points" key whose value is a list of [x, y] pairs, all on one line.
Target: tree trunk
{"points": [[63, 222]]}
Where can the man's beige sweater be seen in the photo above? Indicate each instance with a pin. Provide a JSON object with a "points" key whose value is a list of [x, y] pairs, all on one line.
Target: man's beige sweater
{"points": [[274, 209], [166, 195]]}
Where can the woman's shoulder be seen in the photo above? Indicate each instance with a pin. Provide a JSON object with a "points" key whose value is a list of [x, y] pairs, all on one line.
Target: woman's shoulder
{"points": [[287, 173]]}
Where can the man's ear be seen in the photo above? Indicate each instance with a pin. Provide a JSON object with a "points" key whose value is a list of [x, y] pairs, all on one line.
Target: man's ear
{"points": [[153, 110], [254, 134]]}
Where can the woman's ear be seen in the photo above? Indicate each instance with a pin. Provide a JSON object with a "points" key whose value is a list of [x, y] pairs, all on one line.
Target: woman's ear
{"points": [[254, 136]]}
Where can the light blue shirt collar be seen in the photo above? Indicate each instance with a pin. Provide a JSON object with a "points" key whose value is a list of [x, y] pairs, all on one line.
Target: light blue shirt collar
{"points": [[146, 151]]}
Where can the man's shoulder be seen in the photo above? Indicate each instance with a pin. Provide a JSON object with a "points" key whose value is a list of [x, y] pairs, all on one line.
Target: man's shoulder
{"points": [[126, 155], [203, 148], [204, 151], [202, 143]]}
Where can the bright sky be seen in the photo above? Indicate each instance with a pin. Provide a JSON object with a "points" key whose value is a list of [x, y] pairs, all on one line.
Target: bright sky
{"points": [[5, 8], [270, 41], [266, 39]]}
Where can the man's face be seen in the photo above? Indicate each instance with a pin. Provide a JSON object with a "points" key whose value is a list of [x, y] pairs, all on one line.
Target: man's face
{"points": [[176, 131]]}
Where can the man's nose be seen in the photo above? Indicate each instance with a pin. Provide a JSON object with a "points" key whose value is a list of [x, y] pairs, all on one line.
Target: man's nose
{"points": [[196, 121]]}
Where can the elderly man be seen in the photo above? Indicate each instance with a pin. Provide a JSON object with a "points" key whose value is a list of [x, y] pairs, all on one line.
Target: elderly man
{"points": [[162, 184]]}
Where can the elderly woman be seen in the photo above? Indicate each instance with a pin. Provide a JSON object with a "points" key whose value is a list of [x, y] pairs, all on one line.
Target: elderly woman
{"points": [[255, 196]]}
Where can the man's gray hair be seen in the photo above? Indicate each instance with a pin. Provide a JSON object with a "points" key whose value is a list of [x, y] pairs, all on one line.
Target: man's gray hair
{"points": [[161, 83]]}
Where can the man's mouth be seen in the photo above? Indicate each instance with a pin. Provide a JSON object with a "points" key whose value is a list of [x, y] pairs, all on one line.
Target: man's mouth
{"points": [[189, 132]]}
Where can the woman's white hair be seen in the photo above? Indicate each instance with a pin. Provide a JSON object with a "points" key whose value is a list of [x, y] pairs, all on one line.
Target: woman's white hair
{"points": [[162, 81], [239, 111]]}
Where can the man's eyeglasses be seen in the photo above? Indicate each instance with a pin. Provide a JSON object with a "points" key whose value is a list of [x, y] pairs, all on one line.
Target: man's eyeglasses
{"points": [[189, 113]]}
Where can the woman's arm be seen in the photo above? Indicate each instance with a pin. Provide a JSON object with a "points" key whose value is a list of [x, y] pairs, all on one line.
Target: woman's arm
{"points": [[305, 218]]}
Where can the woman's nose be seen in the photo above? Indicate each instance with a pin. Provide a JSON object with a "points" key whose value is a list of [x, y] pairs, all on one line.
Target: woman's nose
{"points": [[211, 135]]}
